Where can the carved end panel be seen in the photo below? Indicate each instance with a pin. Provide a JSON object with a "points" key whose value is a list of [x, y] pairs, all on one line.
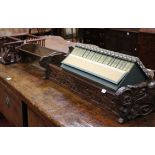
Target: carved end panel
{"points": [[54, 59], [10, 56], [134, 101]]}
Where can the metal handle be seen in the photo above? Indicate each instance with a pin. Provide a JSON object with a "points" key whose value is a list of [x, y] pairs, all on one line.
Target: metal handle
{"points": [[7, 101]]}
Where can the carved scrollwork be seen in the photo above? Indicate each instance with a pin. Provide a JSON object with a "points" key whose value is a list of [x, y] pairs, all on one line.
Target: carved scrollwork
{"points": [[137, 100], [46, 60], [10, 55]]}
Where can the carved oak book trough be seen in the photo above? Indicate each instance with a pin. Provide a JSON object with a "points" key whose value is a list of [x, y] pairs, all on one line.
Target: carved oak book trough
{"points": [[109, 79], [8, 45]]}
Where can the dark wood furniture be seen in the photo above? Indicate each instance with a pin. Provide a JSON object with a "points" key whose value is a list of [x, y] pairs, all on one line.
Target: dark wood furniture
{"points": [[132, 41], [28, 100], [8, 45], [147, 47]]}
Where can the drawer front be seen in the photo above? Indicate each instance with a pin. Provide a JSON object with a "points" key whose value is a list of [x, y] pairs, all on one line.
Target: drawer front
{"points": [[94, 36], [10, 106], [120, 41], [147, 50]]}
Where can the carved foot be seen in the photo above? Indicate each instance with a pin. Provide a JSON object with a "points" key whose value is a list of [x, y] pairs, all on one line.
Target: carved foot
{"points": [[134, 101]]}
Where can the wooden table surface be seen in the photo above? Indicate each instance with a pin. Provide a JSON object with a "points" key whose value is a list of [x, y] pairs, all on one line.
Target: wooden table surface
{"points": [[57, 104]]}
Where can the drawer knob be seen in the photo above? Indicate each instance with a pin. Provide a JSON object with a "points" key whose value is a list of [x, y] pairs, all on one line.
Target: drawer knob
{"points": [[127, 33], [7, 101]]}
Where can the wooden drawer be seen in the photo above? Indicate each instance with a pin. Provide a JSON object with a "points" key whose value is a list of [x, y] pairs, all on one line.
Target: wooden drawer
{"points": [[10, 106], [121, 41], [94, 36], [147, 49]]}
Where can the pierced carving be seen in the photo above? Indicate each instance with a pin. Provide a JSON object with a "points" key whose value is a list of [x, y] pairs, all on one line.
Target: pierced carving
{"points": [[134, 101], [10, 55], [9, 46], [80, 86]]}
